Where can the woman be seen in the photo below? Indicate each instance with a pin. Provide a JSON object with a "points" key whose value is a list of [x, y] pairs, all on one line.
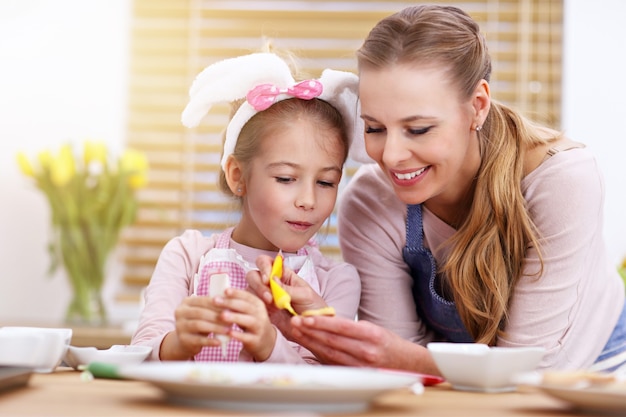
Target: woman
{"points": [[474, 225]]}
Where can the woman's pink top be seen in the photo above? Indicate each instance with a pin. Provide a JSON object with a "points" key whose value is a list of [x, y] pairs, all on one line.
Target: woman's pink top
{"points": [[570, 311]]}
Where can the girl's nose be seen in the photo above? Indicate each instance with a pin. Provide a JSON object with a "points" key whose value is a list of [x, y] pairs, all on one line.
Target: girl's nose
{"points": [[306, 197]]}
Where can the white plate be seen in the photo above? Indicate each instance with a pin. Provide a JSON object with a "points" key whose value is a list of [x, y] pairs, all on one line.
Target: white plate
{"points": [[115, 355], [269, 387], [589, 399]]}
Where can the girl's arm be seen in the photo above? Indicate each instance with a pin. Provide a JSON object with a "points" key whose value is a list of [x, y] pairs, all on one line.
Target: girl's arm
{"points": [[170, 284]]}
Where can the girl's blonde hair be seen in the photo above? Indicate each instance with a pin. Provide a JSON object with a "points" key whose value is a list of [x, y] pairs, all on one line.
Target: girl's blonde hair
{"points": [[267, 123], [487, 253]]}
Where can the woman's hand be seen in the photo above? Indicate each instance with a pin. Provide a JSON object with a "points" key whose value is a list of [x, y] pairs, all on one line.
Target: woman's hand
{"points": [[340, 341]]}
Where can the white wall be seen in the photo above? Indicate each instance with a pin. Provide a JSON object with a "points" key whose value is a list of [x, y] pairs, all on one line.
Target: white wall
{"points": [[594, 100], [63, 76], [63, 67]]}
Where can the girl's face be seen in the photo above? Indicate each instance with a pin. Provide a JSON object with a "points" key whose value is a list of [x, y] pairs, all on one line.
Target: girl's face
{"points": [[291, 186], [420, 133]]}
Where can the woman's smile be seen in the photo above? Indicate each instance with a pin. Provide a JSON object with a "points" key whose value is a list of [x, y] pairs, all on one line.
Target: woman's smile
{"points": [[408, 178]]}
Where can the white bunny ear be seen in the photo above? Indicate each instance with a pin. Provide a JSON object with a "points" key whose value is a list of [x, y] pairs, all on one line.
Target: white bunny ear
{"points": [[341, 90], [230, 80]]}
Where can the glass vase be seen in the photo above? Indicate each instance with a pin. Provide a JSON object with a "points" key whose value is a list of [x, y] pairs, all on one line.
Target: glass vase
{"points": [[84, 261]]}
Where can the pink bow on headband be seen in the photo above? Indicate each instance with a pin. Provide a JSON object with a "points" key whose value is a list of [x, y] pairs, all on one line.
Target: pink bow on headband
{"points": [[263, 96]]}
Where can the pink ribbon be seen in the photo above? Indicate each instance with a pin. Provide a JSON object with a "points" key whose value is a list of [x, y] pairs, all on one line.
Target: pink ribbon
{"points": [[263, 96]]}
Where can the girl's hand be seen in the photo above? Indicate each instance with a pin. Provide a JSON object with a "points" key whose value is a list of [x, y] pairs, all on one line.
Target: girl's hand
{"points": [[340, 341], [258, 281], [196, 318], [303, 297], [246, 310]]}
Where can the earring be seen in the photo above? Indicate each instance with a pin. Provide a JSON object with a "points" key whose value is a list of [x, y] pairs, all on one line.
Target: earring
{"points": [[238, 190], [477, 128]]}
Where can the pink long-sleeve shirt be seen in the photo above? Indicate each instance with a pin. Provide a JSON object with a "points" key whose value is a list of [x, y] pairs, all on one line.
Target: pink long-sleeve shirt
{"points": [[172, 281], [570, 311]]}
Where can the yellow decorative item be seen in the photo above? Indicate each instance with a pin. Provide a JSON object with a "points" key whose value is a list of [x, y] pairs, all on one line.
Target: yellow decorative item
{"points": [[282, 299], [324, 311], [92, 197]]}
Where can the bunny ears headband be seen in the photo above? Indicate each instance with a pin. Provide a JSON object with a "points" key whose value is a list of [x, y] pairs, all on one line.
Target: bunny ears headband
{"points": [[264, 79]]}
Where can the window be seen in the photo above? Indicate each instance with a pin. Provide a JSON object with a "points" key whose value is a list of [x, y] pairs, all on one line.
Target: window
{"points": [[173, 40]]}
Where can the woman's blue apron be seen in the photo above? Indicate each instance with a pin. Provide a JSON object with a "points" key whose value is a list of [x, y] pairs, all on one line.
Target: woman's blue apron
{"points": [[438, 313]]}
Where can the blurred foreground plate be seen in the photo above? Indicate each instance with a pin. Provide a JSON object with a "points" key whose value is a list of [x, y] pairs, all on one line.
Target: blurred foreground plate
{"points": [[268, 387], [590, 392], [594, 400], [12, 377]]}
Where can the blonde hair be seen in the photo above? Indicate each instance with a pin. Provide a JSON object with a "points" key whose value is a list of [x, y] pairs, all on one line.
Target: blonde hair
{"points": [[487, 253], [279, 116]]}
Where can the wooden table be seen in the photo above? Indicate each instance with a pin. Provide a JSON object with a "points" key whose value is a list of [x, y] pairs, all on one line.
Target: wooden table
{"points": [[64, 393]]}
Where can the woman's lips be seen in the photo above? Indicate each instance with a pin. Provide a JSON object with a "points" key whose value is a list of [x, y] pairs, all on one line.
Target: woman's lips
{"points": [[408, 177]]}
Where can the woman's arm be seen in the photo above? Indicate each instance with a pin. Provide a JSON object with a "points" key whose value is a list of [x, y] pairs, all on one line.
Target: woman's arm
{"points": [[372, 234], [389, 333], [339, 341]]}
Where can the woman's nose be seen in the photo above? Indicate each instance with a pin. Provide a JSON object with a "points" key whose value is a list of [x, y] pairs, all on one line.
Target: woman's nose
{"points": [[395, 149]]}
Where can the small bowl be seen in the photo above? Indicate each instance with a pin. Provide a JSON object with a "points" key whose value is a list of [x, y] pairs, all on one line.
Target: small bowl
{"points": [[40, 348], [20, 351], [478, 367], [115, 355]]}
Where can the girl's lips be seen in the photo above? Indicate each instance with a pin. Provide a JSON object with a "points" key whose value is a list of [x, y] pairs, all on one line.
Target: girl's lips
{"points": [[408, 178], [300, 225]]}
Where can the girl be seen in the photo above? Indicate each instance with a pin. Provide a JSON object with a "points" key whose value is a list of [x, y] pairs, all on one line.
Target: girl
{"points": [[284, 152]]}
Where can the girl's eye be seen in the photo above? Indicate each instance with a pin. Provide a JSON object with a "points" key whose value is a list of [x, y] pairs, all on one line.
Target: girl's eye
{"points": [[328, 184], [420, 131], [369, 129], [284, 180]]}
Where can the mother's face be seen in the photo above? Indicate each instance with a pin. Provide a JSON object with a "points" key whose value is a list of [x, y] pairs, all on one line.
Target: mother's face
{"points": [[420, 132]]}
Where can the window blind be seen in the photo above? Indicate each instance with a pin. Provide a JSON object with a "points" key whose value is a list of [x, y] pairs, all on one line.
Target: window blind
{"points": [[173, 40]]}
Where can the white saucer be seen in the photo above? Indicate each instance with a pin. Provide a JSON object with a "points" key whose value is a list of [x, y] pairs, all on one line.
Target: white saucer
{"points": [[115, 355]]}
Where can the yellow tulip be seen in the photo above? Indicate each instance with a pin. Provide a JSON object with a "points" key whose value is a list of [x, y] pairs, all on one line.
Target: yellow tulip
{"points": [[62, 168], [45, 159], [135, 163], [25, 165], [89, 209], [94, 151]]}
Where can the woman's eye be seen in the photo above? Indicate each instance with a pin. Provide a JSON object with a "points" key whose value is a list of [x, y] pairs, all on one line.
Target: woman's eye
{"points": [[370, 129], [419, 131]]}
